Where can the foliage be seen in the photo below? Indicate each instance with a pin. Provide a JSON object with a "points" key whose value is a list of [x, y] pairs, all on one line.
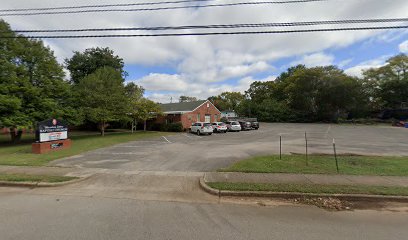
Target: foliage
{"points": [[227, 100], [305, 95], [171, 127], [32, 86], [134, 92], [187, 99], [102, 96], [144, 109], [83, 64], [388, 85]]}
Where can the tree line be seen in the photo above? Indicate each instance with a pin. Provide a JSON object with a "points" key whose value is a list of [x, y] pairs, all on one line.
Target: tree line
{"points": [[322, 94], [33, 87]]}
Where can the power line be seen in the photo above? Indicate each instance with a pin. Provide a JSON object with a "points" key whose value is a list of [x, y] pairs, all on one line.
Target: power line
{"points": [[210, 33], [103, 5], [159, 8], [220, 26]]}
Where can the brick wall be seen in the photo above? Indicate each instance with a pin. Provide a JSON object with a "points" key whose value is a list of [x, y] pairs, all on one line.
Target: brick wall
{"points": [[188, 119], [209, 110]]}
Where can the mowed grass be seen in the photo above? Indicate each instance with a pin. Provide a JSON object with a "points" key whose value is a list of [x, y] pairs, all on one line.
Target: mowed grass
{"points": [[20, 155], [309, 188], [34, 178], [323, 164]]}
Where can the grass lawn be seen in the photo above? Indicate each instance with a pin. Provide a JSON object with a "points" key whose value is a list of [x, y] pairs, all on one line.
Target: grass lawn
{"points": [[20, 155], [306, 188], [321, 164], [34, 178]]}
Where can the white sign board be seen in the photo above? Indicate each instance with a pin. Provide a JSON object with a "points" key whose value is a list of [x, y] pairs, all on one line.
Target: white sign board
{"points": [[53, 136]]}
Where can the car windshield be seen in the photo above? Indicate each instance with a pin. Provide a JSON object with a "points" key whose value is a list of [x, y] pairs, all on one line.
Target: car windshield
{"points": [[207, 124], [221, 124]]}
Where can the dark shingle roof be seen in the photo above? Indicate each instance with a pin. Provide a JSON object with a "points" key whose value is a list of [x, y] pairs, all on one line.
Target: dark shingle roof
{"points": [[181, 107]]}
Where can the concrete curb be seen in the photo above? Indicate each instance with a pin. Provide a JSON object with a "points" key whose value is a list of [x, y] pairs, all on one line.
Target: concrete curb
{"points": [[40, 184], [292, 195]]}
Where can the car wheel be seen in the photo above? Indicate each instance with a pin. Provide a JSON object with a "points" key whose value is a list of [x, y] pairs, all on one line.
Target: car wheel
{"points": [[210, 134], [198, 133]]}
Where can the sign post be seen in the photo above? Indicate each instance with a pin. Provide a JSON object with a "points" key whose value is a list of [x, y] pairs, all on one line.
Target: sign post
{"points": [[51, 135]]}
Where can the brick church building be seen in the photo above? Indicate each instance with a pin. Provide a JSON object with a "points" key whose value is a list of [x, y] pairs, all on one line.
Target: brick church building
{"points": [[188, 113]]}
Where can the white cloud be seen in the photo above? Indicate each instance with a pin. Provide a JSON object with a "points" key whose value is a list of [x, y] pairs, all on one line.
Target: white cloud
{"points": [[359, 68], [403, 47], [163, 82], [199, 90], [203, 64], [315, 59], [345, 62]]}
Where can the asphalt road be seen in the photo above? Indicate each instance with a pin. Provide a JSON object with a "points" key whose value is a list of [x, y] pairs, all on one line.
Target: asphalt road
{"points": [[188, 152], [42, 217]]}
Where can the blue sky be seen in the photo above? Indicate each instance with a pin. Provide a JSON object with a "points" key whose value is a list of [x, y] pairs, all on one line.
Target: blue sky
{"points": [[168, 67]]}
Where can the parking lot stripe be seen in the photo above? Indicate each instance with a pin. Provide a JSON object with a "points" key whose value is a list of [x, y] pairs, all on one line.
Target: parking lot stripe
{"points": [[166, 139]]}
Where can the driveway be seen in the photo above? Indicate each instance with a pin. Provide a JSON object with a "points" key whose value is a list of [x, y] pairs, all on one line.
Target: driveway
{"points": [[187, 152]]}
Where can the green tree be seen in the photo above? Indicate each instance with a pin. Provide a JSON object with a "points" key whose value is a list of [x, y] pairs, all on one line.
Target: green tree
{"points": [[227, 100], [82, 64], [135, 94], [32, 86], [187, 99], [388, 85], [145, 109], [103, 98], [321, 93]]}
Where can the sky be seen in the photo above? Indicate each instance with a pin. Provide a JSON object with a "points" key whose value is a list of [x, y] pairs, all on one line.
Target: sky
{"points": [[204, 66]]}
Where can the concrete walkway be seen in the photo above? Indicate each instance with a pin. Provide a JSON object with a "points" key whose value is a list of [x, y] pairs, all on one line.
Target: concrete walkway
{"points": [[323, 179]]}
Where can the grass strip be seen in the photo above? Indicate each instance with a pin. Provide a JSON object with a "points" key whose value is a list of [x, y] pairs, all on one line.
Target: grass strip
{"points": [[311, 188], [323, 164], [34, 178]]}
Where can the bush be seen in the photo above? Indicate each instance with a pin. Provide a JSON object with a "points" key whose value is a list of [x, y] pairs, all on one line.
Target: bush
{"points": [[171, 127], [155, 127]]}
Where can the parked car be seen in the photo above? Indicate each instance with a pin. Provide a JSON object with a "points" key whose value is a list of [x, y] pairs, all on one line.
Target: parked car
{"points": [[219, 127], [201, 128], [233, 126], [245, 125], [255, 125]]}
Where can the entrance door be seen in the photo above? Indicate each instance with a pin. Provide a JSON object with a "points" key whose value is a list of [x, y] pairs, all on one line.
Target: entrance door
{"points": [[207, 118]]}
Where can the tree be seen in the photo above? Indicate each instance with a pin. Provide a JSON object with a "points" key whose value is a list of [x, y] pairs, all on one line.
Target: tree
{"points": [[32, 86], [135, 94], [145, 109], [82, 64], [187, 99], [388, 85], [227, 100], [321, 93], [102, 96]]}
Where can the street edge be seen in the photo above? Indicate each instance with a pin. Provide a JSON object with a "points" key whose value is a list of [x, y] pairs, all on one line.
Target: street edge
{"points": [[293, 195], [41, 184]]}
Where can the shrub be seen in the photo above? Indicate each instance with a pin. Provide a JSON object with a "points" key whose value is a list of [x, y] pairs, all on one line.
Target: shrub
{"points": [[171, 127]]}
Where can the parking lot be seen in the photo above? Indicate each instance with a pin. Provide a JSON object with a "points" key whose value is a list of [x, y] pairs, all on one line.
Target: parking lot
{"points": [[189, 152]]}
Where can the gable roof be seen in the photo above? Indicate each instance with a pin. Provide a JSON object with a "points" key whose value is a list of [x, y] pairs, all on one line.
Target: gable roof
{"points": [[181, 107]]}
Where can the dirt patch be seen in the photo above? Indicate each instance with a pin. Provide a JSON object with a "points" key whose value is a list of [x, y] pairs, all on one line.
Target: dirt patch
{"points": [[328, 203]]}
